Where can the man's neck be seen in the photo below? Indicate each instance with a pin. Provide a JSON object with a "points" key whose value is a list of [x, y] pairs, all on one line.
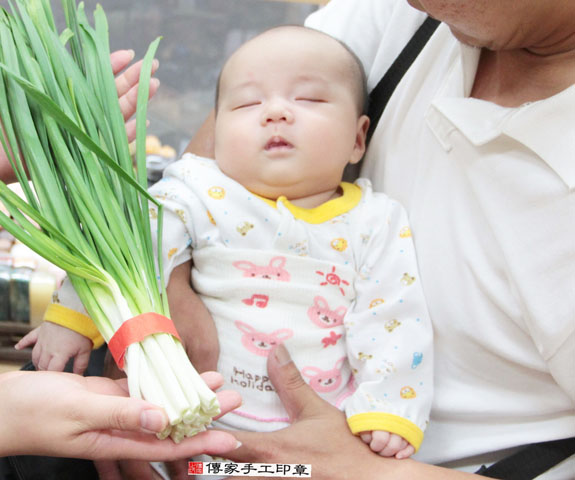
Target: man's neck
{"points": [[511, 78]]}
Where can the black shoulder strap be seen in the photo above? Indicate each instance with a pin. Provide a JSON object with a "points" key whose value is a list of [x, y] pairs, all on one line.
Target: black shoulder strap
{"points": [[380, 95], [531, 461]]}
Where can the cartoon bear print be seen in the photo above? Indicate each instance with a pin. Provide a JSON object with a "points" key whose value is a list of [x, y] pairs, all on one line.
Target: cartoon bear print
{"points": [[273, 271], [320, 313], [324, 381], [391, 325], [244, 227], [261, 343], [407, 279], [217, 193]]}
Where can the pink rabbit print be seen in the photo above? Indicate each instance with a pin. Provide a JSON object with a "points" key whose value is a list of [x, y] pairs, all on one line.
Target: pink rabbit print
{"points": [[320, 313], [261, 343], [273, 271], [324, 381]]}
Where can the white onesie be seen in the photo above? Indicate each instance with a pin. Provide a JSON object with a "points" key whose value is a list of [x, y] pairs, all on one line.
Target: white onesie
{"points": [[337, 284]]}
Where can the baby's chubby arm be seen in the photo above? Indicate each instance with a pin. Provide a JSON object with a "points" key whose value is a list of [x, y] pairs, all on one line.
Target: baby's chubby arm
{"points": [[192, 320], [389, 340], [54, 345]]}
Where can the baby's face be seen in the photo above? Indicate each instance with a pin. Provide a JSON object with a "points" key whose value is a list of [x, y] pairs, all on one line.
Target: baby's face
{"points": [[287, 120]]}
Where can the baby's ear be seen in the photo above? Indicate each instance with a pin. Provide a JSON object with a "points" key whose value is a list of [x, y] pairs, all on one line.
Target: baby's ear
{"points": [[245, 328], [360, 139], [244, 265]]}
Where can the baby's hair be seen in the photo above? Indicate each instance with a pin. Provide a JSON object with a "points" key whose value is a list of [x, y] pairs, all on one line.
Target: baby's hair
{"points": [[358, 76]]}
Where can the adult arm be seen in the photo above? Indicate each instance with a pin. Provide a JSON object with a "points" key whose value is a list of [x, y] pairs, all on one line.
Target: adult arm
{"points": [[203, 142], [62, 414], [127, 87], [319, 436]]}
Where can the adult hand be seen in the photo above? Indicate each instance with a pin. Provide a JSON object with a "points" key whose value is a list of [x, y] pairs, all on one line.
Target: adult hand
{"points": [[319, 436], [199, 337], [127, 85], [62, 414]]}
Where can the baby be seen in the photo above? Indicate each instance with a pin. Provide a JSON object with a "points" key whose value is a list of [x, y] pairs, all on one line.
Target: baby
{"points": [[285, 252]]}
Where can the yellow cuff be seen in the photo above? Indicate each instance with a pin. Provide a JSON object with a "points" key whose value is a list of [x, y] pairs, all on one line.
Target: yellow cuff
{"points": [[388, 422], [76, 321]]}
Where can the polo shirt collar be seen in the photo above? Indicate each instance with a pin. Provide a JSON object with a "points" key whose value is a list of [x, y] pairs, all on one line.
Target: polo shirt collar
{"points": [[546, 127]]}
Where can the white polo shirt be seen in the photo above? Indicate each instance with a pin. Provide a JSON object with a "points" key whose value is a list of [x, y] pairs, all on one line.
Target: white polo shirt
{"points": [[490, 192]]}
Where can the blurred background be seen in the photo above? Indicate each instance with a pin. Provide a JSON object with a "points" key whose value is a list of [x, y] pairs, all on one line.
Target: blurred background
{"points": [[197, 37]]}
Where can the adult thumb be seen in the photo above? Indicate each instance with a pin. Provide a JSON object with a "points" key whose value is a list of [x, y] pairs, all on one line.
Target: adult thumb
{"points": [[127, 414], [298, 398]]}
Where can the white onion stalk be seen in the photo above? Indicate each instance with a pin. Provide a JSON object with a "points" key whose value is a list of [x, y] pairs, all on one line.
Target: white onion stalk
{"points": [[87, 208]]}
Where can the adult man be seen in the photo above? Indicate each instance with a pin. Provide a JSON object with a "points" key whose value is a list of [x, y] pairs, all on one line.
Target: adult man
{"points": [[478, 143]]}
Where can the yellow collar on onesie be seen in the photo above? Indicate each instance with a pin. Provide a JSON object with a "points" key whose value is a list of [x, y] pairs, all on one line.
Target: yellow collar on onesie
{"points": [[326, 211]]}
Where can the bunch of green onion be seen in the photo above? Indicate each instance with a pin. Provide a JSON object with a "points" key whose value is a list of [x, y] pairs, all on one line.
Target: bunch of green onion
{"points": [[87, 208]]}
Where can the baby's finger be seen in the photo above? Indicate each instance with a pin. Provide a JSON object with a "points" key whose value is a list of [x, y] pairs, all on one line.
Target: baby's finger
{"points": [[37, 355], [27, 340], [379, 440], [57, 363], [81, 362], [366, 437], [43, 361], [393, 446], [405, 453]]}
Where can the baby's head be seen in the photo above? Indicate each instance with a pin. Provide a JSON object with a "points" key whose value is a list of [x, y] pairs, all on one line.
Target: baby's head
{"points": [[290, 113]]}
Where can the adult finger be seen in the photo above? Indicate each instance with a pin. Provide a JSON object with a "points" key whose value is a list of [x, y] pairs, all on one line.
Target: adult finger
{"points": [[178, 469], [108, 470], [298, 398], [131, 130], [129, 100], [137, 470], [126, 80], [107, 412], [120, 59], [214, 380], [229, 400]]}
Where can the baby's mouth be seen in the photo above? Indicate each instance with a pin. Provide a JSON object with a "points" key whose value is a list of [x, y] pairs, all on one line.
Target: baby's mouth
{"points": [[277, 143]]}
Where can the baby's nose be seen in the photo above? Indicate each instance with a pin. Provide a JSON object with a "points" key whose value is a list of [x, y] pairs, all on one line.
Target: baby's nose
{"points": [[277, 111]]}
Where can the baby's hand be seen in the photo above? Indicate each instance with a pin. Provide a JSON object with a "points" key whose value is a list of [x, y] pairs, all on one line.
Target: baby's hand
{"points": [[54, 345], [388, 444]]}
